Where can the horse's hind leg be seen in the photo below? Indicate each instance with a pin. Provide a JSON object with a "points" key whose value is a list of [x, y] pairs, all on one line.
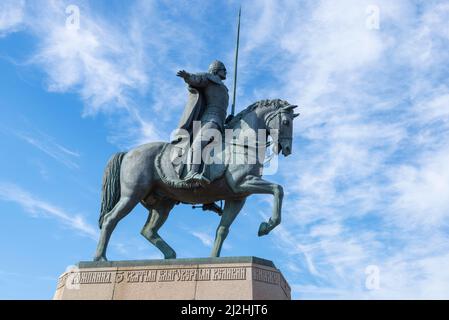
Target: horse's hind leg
{"points": [[231, 210], [157, 217], [121, 209]]}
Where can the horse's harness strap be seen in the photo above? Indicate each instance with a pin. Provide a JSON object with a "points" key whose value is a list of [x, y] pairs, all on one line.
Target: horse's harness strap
{"points": [[272, 116]]}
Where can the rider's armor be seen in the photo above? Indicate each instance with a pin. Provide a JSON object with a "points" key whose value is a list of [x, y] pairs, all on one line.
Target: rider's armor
{"points": [[215, 100], [216, 95]]}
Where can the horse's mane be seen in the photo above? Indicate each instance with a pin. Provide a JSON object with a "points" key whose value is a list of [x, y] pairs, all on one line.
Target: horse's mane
{"points": [[278, 103]]}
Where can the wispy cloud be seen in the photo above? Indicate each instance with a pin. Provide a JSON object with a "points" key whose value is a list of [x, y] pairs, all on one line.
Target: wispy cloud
{"points": [[136, 249], [101, 62], [41, 208], [7, 275], [205, 238], [11, 16], [126, 70], [366, 181], [49, 146], [96, 60], [420, 190]]}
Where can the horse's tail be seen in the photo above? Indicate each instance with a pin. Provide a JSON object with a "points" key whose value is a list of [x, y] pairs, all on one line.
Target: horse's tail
{"points": [[110, 193]]}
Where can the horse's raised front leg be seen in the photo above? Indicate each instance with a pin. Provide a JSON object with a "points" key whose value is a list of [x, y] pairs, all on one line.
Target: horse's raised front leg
{"points": [[157, 217], [231, 210], [254, 184]]}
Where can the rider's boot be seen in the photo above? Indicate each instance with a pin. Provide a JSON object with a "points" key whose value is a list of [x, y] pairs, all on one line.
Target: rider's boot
{"points": [[195, 176]]}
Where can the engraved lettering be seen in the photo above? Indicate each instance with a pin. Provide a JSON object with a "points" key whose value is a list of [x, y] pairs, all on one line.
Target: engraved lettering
{"points": [[141, 276], [229, 274], [92, 277], [120, 276], [266, 276], [184, 275]]}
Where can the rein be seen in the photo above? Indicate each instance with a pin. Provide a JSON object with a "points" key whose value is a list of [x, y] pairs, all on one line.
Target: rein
{"points": [[268, 120], [266, 145]]}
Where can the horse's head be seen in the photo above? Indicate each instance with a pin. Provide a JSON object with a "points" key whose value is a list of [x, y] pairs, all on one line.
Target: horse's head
{"points": [[279, 124], [276, 116]]}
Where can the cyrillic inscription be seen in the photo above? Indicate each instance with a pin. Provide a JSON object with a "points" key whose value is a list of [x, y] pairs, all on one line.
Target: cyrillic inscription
{"points": [[184, 275], [229, 274], [164, 275], [136, 276], [266, 276], [92, 277]]}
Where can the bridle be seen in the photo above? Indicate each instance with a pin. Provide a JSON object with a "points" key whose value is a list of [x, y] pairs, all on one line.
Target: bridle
{"points": [[277, 115]]}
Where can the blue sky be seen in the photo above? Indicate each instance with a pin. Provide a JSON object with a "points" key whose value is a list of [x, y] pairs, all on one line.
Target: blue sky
{"points": [[367, 183]]}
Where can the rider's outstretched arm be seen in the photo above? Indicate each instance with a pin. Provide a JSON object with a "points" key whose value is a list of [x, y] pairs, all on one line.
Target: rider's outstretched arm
{"points": [[194, 80]]}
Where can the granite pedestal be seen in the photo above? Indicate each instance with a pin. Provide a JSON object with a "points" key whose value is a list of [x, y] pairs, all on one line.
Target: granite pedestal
{"points": [[234, 278]]}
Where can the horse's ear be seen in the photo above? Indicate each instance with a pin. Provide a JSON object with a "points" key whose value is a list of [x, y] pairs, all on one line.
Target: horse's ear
{"points": [[295, 115], [290, 107]]}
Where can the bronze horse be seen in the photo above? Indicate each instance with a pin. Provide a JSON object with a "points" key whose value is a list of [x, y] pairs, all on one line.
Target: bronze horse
{"points": [[132, 177]]}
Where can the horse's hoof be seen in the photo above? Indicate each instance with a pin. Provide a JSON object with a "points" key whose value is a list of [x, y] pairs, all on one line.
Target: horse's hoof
{"points": [[263, 229], [100, 259]]}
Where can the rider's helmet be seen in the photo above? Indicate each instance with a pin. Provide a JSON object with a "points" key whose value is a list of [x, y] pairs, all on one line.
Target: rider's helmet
{"points": [[216, 66]]}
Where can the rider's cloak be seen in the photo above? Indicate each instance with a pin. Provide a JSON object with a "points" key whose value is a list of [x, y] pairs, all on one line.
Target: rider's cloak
{"points": [[196, 103], [193, 110]]}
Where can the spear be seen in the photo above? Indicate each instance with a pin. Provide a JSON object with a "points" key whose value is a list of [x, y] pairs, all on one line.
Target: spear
{"points": [[235, 63]]}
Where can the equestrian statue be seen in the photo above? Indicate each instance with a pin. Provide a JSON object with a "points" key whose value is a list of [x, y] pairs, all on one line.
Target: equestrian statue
{"points": [[210, 158]]}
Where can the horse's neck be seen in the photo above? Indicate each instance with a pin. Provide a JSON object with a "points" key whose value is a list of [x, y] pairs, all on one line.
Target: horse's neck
{"points": [[252, 120], [250, 124]]}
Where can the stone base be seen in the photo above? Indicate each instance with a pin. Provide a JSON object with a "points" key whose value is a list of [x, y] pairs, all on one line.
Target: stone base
{"points": [[245, 278]]}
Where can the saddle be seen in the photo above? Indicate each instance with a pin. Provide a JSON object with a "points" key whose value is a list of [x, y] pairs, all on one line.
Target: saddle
{"points": [[171, 166]]}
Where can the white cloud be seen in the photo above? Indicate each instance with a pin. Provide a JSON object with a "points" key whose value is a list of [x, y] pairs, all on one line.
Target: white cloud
{"points": [[11, 16], [135, 249], [126, 70], [205, 238], [422, 191], [49, 146], [371, 160], [325, 230], [104, 62], [422, 278], [40, 208], [97, 60]]}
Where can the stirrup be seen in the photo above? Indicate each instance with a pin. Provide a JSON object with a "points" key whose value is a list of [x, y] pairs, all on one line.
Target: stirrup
{"points": [[212, 207]]}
